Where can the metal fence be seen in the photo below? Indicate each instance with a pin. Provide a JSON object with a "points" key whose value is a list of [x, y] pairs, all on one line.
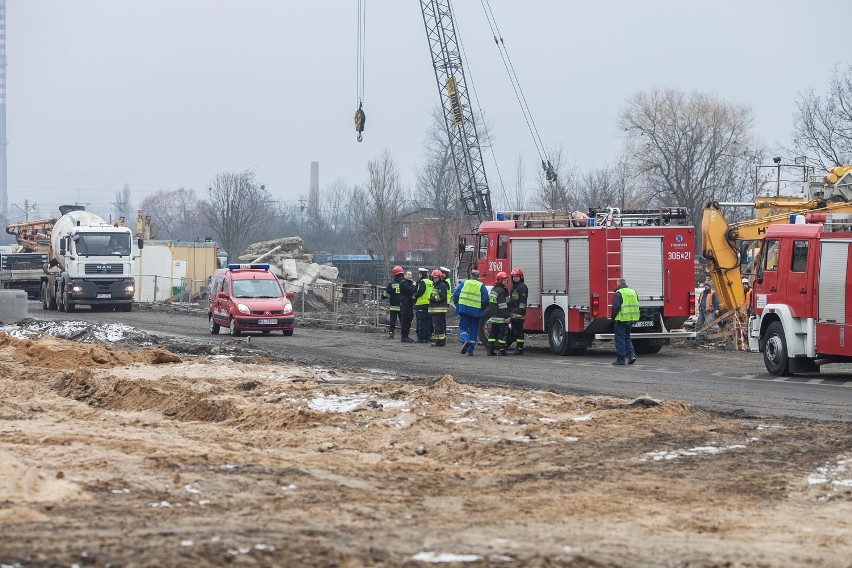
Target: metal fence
{"points": [[155, 288]]}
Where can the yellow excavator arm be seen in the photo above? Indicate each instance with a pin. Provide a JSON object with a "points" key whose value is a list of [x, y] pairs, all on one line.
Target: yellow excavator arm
{"points": [[719, 243]]}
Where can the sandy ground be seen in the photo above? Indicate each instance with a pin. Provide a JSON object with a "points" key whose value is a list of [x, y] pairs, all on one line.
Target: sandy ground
{"points": [[116, 457]]}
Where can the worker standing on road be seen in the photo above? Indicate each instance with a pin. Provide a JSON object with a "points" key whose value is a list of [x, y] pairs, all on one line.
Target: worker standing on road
{"points": [[498, 315], [392, 291], [708, 305], [625, 311], [421, 306], [438, 307], [518, 308], [471, 298], [407, 288], [747, 290]]}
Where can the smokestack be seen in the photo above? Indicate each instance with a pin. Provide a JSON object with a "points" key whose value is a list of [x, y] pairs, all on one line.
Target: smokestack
{"points": [[314, 190]]}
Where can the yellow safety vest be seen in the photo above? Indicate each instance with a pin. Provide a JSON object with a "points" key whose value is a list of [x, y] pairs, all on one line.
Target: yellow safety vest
{"points": [[471, 293], [629, 305], [424, 299]]}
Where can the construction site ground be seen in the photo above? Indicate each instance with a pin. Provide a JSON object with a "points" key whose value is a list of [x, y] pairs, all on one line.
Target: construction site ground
{"points": [[119, 451]]}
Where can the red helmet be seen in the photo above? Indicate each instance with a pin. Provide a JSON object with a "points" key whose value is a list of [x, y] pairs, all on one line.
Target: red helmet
{"points": [[501, 276], [517, 272], [397, 270], [437, 273]]}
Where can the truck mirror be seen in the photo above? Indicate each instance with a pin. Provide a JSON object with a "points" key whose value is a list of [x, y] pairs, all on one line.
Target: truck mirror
{"points": [[62, 252], [141, 243]]}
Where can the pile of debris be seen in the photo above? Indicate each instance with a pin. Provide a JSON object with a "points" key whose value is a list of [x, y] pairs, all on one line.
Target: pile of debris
{"points": [[296, 268]]}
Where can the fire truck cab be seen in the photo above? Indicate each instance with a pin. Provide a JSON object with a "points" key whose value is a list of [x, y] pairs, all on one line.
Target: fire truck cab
{"points": [[572, 265], [801, 294]]}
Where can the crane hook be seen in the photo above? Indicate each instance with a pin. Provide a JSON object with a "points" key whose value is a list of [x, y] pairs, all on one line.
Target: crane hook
{"points": [[549, 173], [360, 119]]}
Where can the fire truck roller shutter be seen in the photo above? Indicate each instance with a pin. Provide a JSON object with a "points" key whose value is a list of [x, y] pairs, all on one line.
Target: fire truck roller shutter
{"points": [[579, 291], [524, 255], [642, 267], [833, 260], [552, 267]]}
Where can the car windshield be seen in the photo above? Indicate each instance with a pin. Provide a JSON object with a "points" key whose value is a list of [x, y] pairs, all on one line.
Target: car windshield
{"points": [[256, 289]]}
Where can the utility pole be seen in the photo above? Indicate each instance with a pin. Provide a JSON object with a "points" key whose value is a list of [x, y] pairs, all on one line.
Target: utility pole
{"points": [[26, 209]]}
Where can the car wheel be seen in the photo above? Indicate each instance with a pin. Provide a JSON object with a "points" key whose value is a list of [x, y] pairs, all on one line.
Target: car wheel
{"points": [[232, 325], [556, 333], [287, 332], [775, 350], [214, 327]]}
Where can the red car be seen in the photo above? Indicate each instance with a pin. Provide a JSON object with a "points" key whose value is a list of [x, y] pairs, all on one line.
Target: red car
{"points": [[248, 297]]}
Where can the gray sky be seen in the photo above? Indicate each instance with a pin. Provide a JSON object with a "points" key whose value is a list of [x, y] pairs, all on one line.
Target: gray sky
{"points": [[162, 94]]}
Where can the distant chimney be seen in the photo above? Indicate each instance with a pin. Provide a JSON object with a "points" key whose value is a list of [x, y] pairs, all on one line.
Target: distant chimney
{"points": [[314, 191]]}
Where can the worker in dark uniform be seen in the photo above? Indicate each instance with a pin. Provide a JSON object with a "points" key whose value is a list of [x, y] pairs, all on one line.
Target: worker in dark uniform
{"points": [[518, 309], [625, 312], [421, 306], [498, 315], [407, 288], [438, 304], [392, 291]]}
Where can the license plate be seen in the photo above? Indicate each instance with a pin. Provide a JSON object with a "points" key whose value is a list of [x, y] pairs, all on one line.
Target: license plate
{"points": [[643, 324], [267, 321], [104, 296]]}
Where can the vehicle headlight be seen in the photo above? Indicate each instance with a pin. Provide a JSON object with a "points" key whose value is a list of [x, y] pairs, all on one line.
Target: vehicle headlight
{"points": [[288, 309], [244, 309], [76, 289], [129, 288]]}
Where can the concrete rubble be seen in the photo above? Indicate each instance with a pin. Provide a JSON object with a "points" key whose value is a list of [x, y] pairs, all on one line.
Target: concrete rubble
{"points": [[287, 260]]}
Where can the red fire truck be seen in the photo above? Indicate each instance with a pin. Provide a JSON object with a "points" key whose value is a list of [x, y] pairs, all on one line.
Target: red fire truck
{"points": [[801, 295], [572, 265]]}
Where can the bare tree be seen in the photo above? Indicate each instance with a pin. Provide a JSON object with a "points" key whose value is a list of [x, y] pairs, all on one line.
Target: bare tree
{"points": [[123, 204], [823, 125], [558, 195], [176, 213], [238, 210], [379, 206], [519, 193], [687, 148]]}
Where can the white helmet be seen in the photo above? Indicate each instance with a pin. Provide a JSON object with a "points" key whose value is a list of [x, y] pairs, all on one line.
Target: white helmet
{"points": [[745, 280]]}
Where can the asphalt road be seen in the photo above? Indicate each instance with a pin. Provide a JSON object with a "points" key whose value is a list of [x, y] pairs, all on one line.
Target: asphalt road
{"points": [[726, 381]]}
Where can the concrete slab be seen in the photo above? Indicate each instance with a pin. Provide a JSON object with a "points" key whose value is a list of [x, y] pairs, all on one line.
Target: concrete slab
{"points": [[13, 306]]}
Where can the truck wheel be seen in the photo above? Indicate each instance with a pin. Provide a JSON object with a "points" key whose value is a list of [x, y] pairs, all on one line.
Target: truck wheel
{"points": [[51, 299], [556, 333], [214, 327], [44, 304], [775, 350], [69, 305], [232, 324], [126, 307], [642, 346]]}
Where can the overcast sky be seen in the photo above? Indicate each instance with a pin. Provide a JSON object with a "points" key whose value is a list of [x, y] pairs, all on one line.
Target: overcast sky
{"points": [[163, 94]]}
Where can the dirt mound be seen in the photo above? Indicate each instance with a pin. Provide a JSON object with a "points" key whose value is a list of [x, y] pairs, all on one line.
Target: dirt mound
{"points": [[58, 353]]}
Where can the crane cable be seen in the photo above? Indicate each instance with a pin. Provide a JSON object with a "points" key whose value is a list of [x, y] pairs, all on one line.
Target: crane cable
{"points": [[360, 63], [550, 174], [469, 79]]}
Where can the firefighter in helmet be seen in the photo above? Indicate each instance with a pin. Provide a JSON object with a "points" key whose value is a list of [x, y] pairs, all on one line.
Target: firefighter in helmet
{"points": [[518, 308], [498, 315], [438, 305], [392, 291]]}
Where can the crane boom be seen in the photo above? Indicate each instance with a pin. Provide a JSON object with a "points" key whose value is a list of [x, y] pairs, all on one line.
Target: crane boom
{"points": [[458, 112]]}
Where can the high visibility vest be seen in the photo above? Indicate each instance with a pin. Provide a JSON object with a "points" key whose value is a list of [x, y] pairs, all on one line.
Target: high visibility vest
{"points": [[424, 299], [708, 301], [629, 305], [471, 294]]}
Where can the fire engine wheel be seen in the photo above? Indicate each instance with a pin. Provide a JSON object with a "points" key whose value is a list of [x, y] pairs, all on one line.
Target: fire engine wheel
{"points": [[556, 333], [775, 350], [641, 346], [214, 327], [232, 325]]}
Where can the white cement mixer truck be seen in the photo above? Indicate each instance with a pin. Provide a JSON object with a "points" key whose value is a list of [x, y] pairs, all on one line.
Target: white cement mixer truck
{"points": [[90, 263]]}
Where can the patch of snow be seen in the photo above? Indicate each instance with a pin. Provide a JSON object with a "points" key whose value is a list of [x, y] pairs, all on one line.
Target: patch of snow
{"points": [[445, 557], [836, 473], [665, 455], [337, 403]]}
